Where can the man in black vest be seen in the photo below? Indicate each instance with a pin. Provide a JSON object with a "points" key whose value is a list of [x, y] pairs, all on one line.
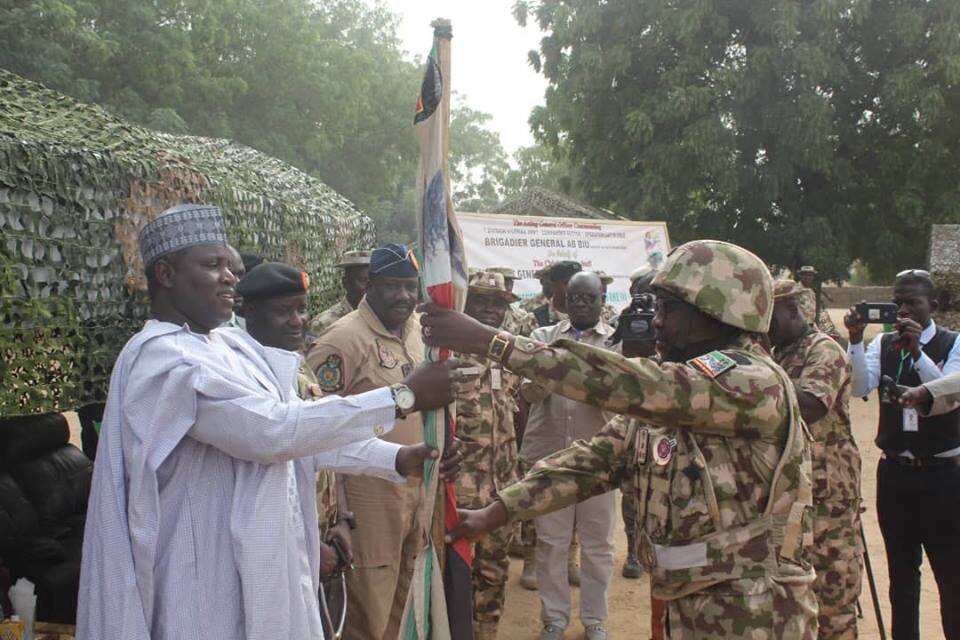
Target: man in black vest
{"points": [[918, 481]]}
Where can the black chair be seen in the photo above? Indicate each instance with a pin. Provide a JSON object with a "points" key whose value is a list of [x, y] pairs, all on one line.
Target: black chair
{"points": [[44, 485]]}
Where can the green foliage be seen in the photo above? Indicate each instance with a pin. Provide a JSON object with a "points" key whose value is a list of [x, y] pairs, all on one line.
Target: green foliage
{"points": [[323, 85], [813, 132], [76, 186]]}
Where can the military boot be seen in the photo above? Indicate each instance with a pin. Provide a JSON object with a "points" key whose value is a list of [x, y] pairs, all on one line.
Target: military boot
{"points": [[631, 566], [528, 579]]}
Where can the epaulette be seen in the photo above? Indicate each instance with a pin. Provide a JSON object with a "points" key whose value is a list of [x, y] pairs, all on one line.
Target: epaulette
{"points": [[713, 364]]}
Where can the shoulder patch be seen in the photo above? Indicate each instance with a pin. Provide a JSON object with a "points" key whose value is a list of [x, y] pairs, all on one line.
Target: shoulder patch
{"points": [[713, 364], [330, 373]]}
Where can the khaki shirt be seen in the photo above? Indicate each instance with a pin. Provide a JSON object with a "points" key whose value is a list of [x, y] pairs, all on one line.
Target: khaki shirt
{"points": [[359, 354], [556, 422]]}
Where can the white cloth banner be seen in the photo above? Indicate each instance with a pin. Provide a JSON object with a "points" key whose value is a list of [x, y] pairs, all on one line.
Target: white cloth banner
{"points": [[528, 243]]}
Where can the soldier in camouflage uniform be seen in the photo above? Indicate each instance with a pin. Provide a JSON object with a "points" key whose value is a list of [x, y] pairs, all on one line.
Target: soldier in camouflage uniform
{"points": [[356, 274], [546, 291], [608, 314], [810, 304], [485, 429], [820, 372], [724, 478], [517, 320]]}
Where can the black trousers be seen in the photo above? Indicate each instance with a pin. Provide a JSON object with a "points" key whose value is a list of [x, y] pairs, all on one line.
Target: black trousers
{"points": [[919, 510]]}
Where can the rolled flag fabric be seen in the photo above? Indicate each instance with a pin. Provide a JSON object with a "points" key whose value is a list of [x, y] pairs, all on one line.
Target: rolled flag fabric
{"points": [[439, 608]]}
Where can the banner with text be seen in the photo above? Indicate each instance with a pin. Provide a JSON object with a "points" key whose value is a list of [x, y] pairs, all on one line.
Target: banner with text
{"points": [[529, 243]]}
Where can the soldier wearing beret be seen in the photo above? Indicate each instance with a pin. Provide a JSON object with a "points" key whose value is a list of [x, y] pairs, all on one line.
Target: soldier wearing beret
{"points": [[356, 274], [723, 481], [375, 345], [275, 310], [820, 373], [485, 427]]}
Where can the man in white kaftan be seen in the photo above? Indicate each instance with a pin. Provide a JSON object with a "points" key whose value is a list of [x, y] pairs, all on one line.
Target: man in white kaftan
{"points": [[202, 515]]}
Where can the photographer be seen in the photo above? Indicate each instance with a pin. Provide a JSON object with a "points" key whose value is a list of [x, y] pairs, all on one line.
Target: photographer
{"points": [[918, 480]]}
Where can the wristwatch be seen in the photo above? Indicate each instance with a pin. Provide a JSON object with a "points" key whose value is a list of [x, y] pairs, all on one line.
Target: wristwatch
{"points": [[404, 398]]}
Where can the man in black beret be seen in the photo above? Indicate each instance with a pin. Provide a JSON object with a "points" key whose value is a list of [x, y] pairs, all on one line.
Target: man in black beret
{"points": [[275, 310]]}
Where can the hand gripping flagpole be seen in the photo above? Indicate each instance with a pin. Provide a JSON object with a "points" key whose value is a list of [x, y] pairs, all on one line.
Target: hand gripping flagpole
{"points": [[444, 280]]}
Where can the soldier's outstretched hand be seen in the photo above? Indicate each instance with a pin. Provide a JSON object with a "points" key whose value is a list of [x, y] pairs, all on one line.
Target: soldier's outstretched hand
{"points": [[475, 523], [449, 329]]}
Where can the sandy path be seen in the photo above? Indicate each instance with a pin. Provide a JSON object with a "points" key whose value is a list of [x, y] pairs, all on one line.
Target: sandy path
{"points": [[630, 599]]}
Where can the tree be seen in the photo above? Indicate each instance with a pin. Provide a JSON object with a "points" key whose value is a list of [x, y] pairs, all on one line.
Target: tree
{"points": [[803, 130], [321, 84]]}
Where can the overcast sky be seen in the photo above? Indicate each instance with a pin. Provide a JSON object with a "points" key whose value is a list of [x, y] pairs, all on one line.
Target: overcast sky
{"points": [[489, 58]]}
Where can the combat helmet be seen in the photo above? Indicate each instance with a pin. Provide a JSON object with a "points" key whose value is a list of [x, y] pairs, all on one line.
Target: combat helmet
{"points": [[722, 280]]}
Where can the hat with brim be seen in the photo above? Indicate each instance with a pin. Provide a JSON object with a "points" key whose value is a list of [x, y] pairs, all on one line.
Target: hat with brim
{"points": [[783, 289], [354, 259], [808, 269], [490, 283], [507, 272], [604, 278]]}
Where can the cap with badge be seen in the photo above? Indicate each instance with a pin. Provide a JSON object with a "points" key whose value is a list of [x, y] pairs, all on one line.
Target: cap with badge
{"points": [[273, 280], [491, 283], [181, 227], [354, 259], [393, 261]]}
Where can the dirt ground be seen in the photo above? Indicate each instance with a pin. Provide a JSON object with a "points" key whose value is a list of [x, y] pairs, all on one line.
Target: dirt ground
{"points": [[630, 599]]}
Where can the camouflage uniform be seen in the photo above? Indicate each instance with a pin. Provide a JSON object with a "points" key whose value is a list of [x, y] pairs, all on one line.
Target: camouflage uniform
{"points": [[529, 304], [519, 322], [723, 481], [818, 366], [308, 388], [326, 318], [489, 446], [816, 316]]}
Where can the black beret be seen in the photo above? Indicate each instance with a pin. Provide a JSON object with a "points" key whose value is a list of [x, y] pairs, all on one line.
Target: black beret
{"points": [[393, 261], [564, 270], [272, 280]]}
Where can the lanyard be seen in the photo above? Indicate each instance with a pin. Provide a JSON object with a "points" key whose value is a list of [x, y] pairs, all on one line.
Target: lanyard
{"points": [[903, 358]]}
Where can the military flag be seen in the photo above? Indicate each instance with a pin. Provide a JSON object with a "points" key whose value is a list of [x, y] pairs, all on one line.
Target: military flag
{"points": [[440, 602]]}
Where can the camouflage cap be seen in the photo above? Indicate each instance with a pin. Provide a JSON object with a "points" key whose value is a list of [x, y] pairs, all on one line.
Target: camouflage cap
{"points": [[784, 288], [604, 278], [490, 283], [807, 269], [507, 272], [722, 280]]}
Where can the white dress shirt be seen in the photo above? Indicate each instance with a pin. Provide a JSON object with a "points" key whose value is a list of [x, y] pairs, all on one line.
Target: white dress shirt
{"points": [[865, 375], [202, 515]]}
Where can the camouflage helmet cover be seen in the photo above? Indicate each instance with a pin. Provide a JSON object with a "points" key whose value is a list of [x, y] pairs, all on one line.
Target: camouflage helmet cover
{"points": [[722, 280]]}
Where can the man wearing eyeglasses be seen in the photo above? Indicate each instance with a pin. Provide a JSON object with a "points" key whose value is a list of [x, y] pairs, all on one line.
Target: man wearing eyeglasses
{"points": [[918, 481], [553, 425]]}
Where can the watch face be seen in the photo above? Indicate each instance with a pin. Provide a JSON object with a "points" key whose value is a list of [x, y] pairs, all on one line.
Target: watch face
{"points": [[405, 399]]}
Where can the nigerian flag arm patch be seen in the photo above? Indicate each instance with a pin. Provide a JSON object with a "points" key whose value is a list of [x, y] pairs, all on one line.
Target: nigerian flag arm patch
{"points": [[713, 364]]}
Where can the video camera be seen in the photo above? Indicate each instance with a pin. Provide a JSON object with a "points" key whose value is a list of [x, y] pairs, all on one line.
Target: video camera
{"points": [[636, 321]]}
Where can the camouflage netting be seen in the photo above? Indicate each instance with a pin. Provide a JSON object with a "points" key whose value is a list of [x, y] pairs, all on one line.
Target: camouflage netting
{"points": [[76, 186], [945, 269]]}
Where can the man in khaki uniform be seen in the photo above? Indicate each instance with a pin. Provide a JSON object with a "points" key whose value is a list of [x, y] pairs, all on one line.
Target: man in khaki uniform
{"points": [[356, 270], [375, 346]]}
